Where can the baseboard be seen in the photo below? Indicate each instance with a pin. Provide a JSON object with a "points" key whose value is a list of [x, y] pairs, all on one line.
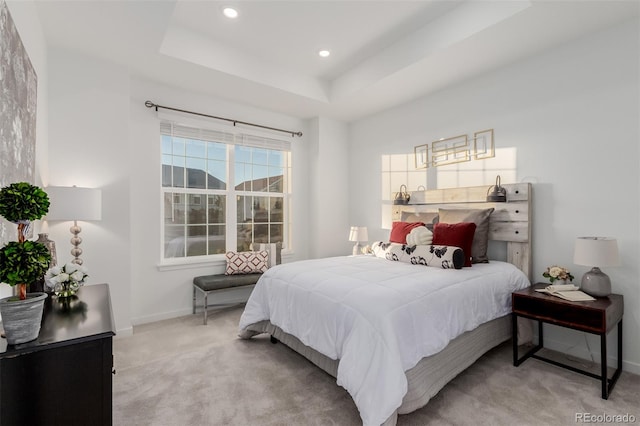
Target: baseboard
{"points": [[160, 316], [124, 332]]}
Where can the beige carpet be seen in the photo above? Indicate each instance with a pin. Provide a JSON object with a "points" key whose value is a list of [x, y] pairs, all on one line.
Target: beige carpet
{"points": [[180, 372]]}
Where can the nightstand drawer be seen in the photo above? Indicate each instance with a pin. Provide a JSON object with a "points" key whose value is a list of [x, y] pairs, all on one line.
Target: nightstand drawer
{"points": [[559, 314]]}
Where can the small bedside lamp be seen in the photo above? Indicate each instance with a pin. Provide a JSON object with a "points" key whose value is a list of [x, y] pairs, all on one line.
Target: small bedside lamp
{"points": [[601, 251], [358, 234]]}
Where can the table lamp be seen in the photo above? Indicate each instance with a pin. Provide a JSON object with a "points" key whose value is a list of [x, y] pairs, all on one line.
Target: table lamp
{"points": [[358, 234], [600, 251], [74, 203]]}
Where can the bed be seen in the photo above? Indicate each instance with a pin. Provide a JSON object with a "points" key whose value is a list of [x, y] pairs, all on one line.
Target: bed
{"points": [[393, 333]]}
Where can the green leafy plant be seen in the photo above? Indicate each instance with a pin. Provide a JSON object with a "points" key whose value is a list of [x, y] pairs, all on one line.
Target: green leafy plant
{"points": [[23, 262], [23, 201]]}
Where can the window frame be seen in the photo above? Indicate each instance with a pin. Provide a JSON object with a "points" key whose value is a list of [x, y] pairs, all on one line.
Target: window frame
{"points": [[239, 138]]}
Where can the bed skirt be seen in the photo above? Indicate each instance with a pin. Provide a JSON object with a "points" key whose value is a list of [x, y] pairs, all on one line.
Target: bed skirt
{"points": [[431, 373]]}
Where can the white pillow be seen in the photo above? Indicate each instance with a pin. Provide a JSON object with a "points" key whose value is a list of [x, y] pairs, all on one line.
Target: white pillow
{"points": [[420, 236]]}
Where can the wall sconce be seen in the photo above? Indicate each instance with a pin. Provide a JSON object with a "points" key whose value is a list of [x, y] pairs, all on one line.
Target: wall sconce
{"points": [[358, 234], [601, 251], [402, 197], [497, 193], [73, 203]]}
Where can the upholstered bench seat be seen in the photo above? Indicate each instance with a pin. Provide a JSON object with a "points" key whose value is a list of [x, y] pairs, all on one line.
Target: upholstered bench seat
{"points": [[211, 283]]}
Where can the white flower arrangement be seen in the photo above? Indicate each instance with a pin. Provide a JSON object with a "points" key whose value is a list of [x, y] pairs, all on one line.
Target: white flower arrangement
{"points": [[557, 273], [67, 279]]}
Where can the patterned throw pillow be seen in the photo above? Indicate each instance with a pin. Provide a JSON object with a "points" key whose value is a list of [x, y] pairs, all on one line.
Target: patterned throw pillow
{"points": [[246, 262], [444, 257]]}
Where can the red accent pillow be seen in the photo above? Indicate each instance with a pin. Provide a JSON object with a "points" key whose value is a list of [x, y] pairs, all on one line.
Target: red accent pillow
{"points": [[400, 230], [457, 235]]}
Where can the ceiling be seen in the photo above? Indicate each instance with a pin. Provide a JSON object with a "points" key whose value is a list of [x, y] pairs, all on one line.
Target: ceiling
{"points": [[383, 53]]}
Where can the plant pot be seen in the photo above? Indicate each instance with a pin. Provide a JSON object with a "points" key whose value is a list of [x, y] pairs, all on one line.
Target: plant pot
{"points": [[21, 318]]}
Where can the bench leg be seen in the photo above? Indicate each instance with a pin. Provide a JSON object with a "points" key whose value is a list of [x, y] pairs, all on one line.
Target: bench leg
{"points": [[206, 295], [194, 300]]}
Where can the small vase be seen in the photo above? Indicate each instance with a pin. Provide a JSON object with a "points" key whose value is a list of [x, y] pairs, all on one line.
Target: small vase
{"points": [[560, 282], [51, 246], [66, 289]]}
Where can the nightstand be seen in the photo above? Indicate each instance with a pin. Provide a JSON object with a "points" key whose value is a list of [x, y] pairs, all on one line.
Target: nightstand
{"points": [[595, 317]]}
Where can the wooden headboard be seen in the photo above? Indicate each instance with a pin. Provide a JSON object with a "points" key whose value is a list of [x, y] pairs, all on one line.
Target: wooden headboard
{"points": [[509, 221]]}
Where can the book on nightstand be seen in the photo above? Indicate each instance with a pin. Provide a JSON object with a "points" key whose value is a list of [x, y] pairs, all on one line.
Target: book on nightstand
{"points": [[567, 292]]}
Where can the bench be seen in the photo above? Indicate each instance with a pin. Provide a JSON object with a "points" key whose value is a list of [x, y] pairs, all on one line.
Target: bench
{"points": [[206, 284], [212, 283]]}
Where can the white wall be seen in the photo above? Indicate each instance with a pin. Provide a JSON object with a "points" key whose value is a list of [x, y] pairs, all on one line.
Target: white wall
{"points": [[329, 189], [89, 147], [570, 117]]}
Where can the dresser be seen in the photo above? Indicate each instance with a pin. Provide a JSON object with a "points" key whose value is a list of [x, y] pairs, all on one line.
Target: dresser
{"points": [[65, 376]]}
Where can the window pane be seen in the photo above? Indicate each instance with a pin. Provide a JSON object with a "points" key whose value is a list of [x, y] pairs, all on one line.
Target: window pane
{"points": [[217, 151], [259, 181], [276, 233], [174, 208], [166, 144], [196, 240], [277, 214], [196, 213], [243, 154], [276, 158], [217, 239], [260, 209], [244, 236], [166, 170], [196, 148], [261, 233], [174, 241], [178, 146], [244, 209], [243, 177], [260, 156], [217, 175], [196, 174], [216, 209], [276, 183], [178, 172]]}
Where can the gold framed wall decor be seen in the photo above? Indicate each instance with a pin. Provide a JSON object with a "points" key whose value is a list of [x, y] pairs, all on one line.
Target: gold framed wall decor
{"points": [[421, 154], [450, 150], [456, 149], [483, 145]]}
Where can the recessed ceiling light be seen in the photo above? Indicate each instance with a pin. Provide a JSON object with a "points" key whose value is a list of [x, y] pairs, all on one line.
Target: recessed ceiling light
{"points": [[230, 12], [324, 53]]}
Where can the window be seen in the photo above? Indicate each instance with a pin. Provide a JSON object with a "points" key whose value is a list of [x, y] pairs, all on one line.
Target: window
{"points": [[222, 191]]}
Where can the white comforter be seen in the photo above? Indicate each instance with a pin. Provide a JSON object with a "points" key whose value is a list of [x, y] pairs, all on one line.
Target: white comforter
{"points": [[378, 317]]}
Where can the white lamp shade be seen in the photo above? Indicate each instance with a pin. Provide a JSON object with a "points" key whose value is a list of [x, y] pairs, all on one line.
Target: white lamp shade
{"points": [[74, 203], [358, 233], [596, 251]]}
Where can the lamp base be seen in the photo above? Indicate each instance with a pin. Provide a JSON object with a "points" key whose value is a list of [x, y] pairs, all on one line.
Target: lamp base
{"points": [[596, 283], [356, 249]]}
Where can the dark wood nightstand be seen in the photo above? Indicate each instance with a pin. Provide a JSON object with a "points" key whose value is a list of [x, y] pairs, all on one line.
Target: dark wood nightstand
{"points": [[595, 317]]}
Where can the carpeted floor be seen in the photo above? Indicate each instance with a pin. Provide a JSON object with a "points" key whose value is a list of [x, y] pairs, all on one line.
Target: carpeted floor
{"points": [[180, 372]]}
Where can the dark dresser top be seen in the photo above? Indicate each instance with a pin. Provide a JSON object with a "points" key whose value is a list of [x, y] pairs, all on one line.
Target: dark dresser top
{"points": [[88, 316]]}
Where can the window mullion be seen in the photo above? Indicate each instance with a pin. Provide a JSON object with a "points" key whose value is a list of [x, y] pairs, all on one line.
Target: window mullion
{"points": [[232, 203]]}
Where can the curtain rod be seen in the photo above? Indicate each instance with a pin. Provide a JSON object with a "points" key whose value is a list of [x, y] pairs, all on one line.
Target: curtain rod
{"points": [[150, 104]]}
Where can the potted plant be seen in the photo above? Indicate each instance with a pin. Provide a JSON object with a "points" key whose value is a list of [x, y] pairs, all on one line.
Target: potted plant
{"points": [[23, 262]]}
